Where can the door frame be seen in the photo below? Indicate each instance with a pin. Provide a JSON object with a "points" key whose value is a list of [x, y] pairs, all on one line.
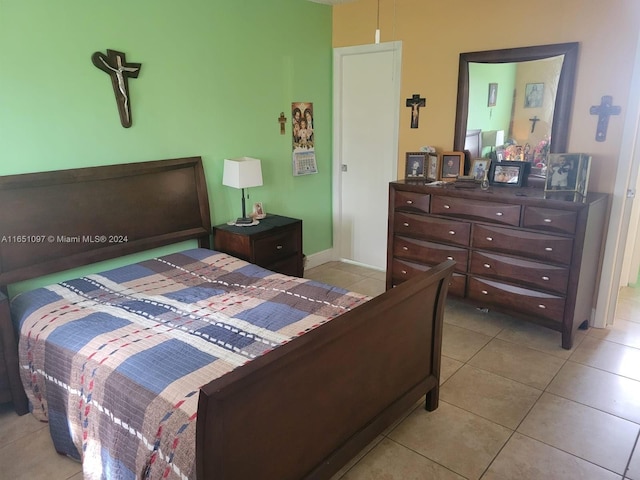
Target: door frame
{"points": [[338, 54], [617, 239]]}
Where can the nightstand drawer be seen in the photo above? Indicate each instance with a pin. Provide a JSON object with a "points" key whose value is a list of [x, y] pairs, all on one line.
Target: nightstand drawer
{"points": [[275, 247]]}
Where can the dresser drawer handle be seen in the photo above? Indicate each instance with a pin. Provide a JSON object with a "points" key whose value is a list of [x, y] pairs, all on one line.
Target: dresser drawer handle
{"points": [[405, 249], [452, 232], [548, 249], [499, 214], [446, 206], [449, 258], [409, 202], [404, 272], [547, 220], [278, 247], [486, 265], [545, 278], [484, 292], [405, 224], [542, 306], [490, 239]]}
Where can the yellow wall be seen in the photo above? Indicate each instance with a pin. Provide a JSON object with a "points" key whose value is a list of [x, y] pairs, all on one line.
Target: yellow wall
{"points": [[435, 32]]}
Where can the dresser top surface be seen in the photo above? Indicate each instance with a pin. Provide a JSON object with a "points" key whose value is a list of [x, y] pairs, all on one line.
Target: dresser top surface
{"points": [[521, 195]]}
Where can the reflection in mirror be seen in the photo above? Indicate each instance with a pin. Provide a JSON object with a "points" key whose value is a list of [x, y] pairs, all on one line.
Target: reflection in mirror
{"points": [[519, 95]]}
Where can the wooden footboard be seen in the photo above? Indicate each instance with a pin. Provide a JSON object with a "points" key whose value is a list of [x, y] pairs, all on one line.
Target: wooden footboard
{"points": [[308, 407]]}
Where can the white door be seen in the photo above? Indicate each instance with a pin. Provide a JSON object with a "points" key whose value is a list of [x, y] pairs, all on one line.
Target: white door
{"points": [[365, 118]]}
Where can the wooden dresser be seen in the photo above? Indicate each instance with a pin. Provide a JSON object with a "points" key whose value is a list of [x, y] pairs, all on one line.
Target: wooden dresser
{"points": [[533, 255]]}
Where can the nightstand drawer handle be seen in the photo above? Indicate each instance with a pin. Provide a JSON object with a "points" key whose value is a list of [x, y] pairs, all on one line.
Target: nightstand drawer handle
{"points": [[452, 232], [279, 247], [547, 220], [409, 202], [548, 249], [499, 214], [545, 278], [490, 239], [486, 265], [406, 224]]}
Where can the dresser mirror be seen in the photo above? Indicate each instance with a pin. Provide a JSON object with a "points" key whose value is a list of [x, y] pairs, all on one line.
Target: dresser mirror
{"points": [[522, 95]]}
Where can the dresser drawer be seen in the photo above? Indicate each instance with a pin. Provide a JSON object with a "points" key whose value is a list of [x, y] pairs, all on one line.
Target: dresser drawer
{"points": [[492, 212], [550, 219], [529, 302], [518, 270], [540, 246], [430, 228], [410, 201], [429, 252], [404, 270], [274, 248]]}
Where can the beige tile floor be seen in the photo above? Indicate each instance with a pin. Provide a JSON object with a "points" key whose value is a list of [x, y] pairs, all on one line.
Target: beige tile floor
{"points": [[513, 405]]}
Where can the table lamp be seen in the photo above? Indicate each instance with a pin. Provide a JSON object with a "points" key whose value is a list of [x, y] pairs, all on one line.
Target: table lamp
{"points": [[242, 173]]}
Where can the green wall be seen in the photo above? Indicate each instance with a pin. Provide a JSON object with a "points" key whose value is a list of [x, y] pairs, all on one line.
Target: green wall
{"points": [[215, 76]]}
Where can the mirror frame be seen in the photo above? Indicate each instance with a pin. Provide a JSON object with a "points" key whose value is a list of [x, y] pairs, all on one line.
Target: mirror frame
{"points": [[564, 95]]}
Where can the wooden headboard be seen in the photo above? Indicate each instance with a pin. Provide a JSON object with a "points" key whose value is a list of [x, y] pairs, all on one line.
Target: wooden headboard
{"points": [[54, 221]]}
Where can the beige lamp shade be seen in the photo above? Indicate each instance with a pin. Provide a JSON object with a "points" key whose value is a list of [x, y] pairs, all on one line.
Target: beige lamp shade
{"points": [[243, 172]]}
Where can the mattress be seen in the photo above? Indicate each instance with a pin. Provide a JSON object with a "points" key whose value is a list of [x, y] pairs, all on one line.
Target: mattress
{"points": [[114, 361]]}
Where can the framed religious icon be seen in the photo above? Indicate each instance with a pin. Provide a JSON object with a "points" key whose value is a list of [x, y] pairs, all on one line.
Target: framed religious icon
{"points": [[451, 166], [493, 95], [415, 166], [533, 95]]}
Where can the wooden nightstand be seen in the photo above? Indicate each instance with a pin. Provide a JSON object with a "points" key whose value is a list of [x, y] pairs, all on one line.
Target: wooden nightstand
{"points": [[275, 243], [10, 385]]}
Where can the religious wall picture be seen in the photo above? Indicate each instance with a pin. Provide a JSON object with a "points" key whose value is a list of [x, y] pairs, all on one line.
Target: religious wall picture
{"points": [[451, 166], [415, 102], [303, 138], [568, 172], [416, 165], [493, 95], [533, 95]]}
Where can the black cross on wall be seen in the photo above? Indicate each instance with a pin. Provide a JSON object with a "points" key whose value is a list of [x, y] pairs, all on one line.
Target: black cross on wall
{"points": [[115, 64], [604, 111], [415, 102], [533, 121]]}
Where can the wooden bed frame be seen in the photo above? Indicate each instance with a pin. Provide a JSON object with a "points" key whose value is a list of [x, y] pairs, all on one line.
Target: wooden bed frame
{"points": [[311, 404]]}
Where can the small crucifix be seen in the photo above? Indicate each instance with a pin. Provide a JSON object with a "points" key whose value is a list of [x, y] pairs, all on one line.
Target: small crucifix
{"points": [[533, 121], [604, 110], [115, 64], [282, 119], [415, 102]]}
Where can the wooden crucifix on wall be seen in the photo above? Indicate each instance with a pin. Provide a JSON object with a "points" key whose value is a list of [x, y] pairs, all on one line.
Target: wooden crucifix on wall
{"points": [[604, 111], [415, 102], [115, 64]]}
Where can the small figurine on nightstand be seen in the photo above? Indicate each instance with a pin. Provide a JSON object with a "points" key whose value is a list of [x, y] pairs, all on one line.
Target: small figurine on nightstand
{"points": [[258, 211]]}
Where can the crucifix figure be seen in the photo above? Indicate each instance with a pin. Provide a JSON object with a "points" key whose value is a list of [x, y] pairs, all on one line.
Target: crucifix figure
{"points": [[115, 64], [604, 110], [415, 103], [282, 119], [533, 121]]}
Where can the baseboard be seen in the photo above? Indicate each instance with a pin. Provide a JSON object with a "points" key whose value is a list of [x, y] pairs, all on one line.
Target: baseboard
{"points": [[317, 259]]}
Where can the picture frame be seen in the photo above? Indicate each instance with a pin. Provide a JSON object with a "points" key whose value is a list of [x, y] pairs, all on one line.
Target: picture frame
{"points": [[493, 95], [568, 172], [258, 212], [415, 165], [508, 174], [451, 166], [533, 95], [433, 168], [480, 167]]}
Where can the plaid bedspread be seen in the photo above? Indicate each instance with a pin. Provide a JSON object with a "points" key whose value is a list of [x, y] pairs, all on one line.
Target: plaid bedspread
{"points": [[114, 361]]}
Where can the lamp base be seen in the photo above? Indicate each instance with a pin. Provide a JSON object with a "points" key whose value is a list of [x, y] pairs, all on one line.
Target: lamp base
{"points": [[244, 221]]}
